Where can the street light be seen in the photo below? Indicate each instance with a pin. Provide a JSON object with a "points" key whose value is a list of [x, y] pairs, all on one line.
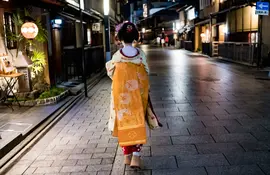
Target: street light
{"points": [[106, 6], [81, 5]]}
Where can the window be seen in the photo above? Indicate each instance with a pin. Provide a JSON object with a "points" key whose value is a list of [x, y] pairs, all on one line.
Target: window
{"points": [[9, 29], [205, 3]]}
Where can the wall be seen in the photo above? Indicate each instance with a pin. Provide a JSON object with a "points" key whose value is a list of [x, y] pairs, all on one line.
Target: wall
{"points": [[207, 7], [242, 20], [266, 34]]}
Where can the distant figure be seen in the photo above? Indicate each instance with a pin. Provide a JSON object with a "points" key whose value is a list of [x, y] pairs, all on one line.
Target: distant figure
{"points": [[162, 42], [166, 40], [158, 40]]}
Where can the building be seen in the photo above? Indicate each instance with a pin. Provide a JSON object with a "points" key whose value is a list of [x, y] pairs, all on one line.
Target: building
{"points": [[157, 17], [186, 24], [228, 29], [70, 26]]}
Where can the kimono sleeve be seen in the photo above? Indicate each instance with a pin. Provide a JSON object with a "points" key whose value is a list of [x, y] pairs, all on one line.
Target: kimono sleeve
{"points": [[144, 61], [110, 65]]}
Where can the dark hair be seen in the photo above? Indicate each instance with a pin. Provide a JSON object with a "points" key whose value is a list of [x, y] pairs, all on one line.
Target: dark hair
{"points": [[128, 33]]}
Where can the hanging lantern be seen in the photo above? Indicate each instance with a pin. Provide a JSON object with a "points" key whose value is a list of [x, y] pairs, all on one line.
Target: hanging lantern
{"points": [[29, 30]]}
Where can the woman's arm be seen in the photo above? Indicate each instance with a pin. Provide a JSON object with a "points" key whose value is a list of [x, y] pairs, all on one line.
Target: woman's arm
{"points": [[110, 66]]}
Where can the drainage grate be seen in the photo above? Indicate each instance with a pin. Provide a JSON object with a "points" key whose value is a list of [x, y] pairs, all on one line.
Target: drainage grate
{"points": [[17, 127]]}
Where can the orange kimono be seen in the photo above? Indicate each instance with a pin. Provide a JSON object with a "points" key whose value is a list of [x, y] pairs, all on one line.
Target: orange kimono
{"points": [[130, 90]]}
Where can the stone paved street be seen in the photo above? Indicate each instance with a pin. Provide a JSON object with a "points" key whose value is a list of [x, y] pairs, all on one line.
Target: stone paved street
{"points": [[216, 120]]}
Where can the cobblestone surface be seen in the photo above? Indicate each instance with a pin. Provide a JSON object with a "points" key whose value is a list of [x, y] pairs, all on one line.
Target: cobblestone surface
{"points": [[215, 116]]}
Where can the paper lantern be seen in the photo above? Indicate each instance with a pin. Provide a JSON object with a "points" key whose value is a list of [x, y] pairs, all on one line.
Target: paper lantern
{"points": [[29, 30]]}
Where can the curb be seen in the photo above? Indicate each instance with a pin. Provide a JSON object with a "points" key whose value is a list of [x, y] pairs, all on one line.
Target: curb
{"points": [[40, 130]]}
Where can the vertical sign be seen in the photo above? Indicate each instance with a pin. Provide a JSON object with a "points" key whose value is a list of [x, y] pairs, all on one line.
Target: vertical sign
{"points": [[145, 10]]}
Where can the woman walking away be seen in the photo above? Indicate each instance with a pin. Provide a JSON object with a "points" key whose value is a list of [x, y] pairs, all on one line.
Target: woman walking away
{"points": [[129, 108]]}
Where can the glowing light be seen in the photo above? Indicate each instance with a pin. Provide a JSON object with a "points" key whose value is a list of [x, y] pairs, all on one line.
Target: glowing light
{"points": [[143, 30], [106, 6], [58, 21], [29, 30]]}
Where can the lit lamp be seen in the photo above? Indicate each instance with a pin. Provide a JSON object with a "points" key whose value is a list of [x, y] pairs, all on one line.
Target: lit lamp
{"points": [[106, 6], [23, 63], [143, 30], [29, 30]]}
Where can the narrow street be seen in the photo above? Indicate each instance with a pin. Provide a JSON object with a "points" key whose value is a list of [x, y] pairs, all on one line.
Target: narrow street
{"points": [[216, 119]]}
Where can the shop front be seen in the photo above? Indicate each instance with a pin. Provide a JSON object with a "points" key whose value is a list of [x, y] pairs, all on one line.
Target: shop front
{"points": [[203, 37], [23, 51]]}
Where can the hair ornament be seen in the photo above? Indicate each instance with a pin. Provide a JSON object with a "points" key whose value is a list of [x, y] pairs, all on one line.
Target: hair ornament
{"points": [[129, 28]]}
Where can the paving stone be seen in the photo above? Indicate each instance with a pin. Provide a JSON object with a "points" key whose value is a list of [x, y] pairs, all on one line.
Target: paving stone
{"points": [[170, 132], [235, 170], [30, 170], [199, 118], [110, 150], [89, 162], [70, 169], [232, 116], [185, 124], [106, 145], [265, 168], [262, 136], [167, 109], [163, 162], [146, 151], [57, 163], [94, 150], [172, 114], [84, 173], [192, 139], [255, 146], [43, 170], [118, 167], [246, 158], [80, 156], [191, 171], [235, 137], [106, 161], [245, 129], [58, 157], [159, 141], [103, 155], [86, 146], [96, 168], [201, 160], [208, 130], [42, 163], [259, 121], [221, 123], [72, 151], [57, 174], [104, 173], [213, 148], [173, 150]]}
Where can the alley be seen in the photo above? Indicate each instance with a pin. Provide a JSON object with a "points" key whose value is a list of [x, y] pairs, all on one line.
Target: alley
{"points": [[216, 120]]}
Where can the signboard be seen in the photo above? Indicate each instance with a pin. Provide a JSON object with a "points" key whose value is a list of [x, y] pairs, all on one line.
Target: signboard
{"points": [[262, 8], [145, 10], [96, 27], [76, 3]]}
